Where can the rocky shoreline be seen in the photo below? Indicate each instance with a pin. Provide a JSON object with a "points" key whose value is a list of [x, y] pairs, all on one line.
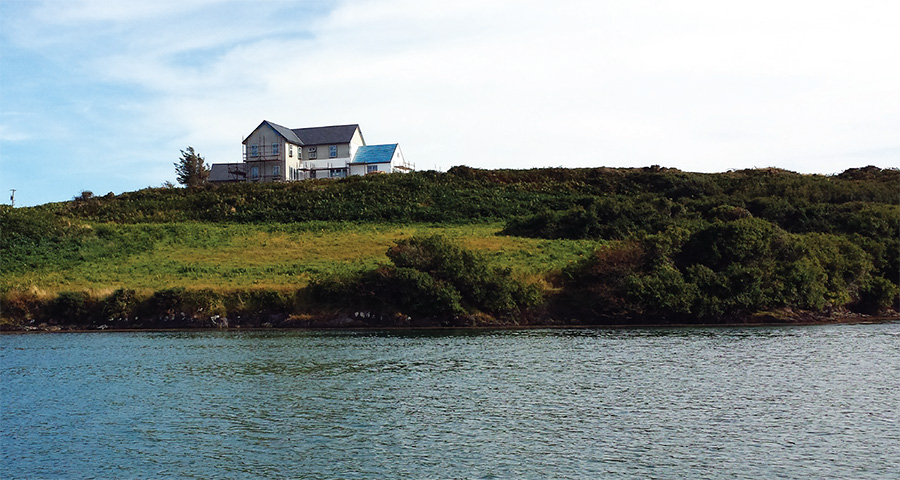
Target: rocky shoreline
{"points": [[366, 320]]}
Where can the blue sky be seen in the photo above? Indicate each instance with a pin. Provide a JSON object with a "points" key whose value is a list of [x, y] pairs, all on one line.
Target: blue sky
{"points": [[101, 95]]}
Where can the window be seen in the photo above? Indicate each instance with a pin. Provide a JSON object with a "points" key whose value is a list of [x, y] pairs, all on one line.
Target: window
{"points": [[274, 149], [312, 152], [332, 151], [254, 172], [254, 150], [371, 168], [338, 173], [276, 170], [290, 150], [312, 174]]}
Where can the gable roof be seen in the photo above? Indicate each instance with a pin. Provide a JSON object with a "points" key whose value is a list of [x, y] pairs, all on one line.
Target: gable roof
{"points": [[285, 132], [227, 172], [314, 135], [375, 153], [326, 135]]}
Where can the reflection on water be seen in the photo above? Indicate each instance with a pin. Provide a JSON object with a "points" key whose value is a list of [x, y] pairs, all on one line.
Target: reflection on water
{"points": [[802, 402]]}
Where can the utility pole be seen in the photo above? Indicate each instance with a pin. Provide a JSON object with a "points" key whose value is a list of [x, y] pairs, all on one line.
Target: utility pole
{"points": [[12, 197]]}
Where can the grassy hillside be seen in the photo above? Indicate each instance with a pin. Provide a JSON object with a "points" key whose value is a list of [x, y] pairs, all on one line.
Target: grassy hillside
{"points": [[149, 257], [600, 245]]}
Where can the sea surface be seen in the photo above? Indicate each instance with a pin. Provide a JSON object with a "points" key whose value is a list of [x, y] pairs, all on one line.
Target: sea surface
{"points": [[720, 403]]}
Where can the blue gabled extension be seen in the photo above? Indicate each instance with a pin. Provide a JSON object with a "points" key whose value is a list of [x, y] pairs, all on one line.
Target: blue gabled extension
{"points": [[375, 153]]}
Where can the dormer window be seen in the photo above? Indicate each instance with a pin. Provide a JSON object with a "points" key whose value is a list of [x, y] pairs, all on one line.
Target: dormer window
{"points": [[332, 151]]}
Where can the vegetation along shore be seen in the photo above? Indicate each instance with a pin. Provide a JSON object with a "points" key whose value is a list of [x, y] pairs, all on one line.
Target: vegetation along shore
{"points": [[467, 247]]}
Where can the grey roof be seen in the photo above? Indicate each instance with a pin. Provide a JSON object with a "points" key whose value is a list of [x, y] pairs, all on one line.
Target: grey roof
{"points": [[327, 135], [227, 172], [285, 132], [375, 153], [315, 135]]}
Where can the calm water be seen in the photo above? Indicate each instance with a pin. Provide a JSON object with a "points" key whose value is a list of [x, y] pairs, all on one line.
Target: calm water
{"points": [[801, 402]]}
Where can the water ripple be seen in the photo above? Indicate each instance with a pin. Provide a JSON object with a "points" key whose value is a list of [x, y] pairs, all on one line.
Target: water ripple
{"points": [[813, 402]]}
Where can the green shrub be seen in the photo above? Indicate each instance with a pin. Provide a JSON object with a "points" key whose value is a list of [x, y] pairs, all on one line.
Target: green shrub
{"points": [[253, 302], [431, 277], [723, 268], [614, 218], [877, 296], [409, 291], [661, 292], [481, 286], [71, 307], [165, 302], [746, 240], [804, 284], [596, 286], [120, 304], [846, 266], [19, 307]]}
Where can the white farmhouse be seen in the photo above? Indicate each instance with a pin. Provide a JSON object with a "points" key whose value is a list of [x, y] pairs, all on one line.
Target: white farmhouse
{"points": [[273, 153]]}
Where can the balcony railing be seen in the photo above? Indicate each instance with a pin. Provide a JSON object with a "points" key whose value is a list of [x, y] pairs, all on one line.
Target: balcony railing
{"points": [[261, 157]]}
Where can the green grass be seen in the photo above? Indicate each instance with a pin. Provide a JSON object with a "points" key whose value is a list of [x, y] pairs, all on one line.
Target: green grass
{"points": [[222, 257]]}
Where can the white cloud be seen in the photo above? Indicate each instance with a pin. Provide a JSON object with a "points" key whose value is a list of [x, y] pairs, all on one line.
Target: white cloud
{"points": [[78, 11], [11, 134], [699, 85]]}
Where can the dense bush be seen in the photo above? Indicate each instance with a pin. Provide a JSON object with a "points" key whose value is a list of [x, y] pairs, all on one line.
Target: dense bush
{"points": [[613, 218], [389, 292], [70, 306], [724, 269], [431, 277], [481, 286], [119, 305]]}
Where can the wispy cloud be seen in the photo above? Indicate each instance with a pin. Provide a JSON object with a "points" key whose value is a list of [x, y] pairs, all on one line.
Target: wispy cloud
{"points": [[9, 134]]}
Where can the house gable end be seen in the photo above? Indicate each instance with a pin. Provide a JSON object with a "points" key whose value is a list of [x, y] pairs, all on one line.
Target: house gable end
{"points": [[284, 132]]}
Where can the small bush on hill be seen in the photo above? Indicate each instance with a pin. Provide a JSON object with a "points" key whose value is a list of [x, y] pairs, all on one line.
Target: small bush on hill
{"points": [[71, 307], [119, 305], [431, 277]]}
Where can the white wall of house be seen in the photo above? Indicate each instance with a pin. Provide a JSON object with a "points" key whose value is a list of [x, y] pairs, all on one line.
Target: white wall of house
{"points": [[326, 163], [356, 170], [355, 142], [397, 160], [276, 159], [364, 168], [343, 151], [262, 138]]}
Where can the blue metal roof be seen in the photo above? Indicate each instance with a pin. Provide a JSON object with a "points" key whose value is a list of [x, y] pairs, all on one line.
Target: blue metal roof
{"points": [[375, 153]]}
